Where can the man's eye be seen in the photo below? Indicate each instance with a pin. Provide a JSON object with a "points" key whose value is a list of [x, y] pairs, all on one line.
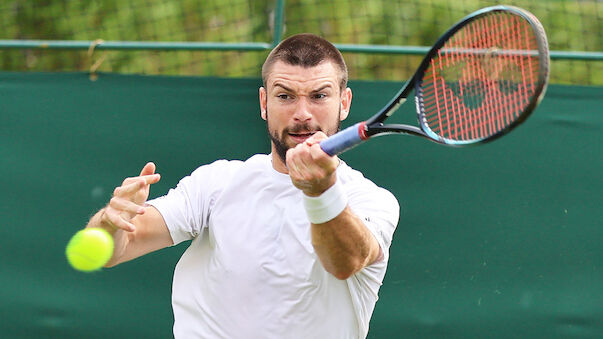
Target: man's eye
{"points": [[283, 96], [320, 96]]}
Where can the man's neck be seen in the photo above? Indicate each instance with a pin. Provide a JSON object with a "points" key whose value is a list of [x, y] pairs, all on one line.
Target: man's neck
{"points": [[277, 162]]}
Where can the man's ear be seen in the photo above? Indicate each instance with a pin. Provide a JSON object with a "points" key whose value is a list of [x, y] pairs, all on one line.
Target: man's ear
{"points": [[263, 102], [346, 103]]}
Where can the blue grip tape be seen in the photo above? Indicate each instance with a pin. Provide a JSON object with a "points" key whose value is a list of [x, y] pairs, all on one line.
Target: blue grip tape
{"points": [[342, 141]]}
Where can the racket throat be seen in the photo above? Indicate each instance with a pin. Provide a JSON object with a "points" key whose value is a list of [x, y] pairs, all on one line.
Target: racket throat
{"points": [[363, 131]]}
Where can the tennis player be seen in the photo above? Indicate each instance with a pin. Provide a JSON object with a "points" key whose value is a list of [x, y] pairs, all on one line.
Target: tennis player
{"points": [[292, 244]]}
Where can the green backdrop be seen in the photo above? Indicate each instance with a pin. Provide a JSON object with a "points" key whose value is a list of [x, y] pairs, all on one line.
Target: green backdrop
{"points": [[497, 241]]}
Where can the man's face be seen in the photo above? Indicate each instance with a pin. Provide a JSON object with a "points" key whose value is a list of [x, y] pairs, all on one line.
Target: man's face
{"points": [[298, 102]]}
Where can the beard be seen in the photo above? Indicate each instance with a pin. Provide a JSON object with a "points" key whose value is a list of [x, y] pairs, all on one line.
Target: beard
{"points": [[281, 146]]}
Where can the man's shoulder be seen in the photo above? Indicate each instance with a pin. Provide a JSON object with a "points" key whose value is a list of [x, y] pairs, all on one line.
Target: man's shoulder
{"points": [[225, 167]]}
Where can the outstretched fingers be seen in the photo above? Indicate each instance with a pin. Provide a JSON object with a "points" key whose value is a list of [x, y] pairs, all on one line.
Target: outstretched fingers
{"points": [[132, 185], [129, 198], [127, 206], [117, 220], [148, 169]]}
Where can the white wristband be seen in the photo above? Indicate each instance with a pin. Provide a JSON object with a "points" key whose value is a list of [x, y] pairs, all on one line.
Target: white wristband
{"points": [[326, 206]]}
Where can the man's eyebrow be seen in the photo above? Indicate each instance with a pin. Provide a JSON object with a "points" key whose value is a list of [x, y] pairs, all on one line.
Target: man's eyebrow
{"points": [[313, 91], [283, 87], [321, 88]]}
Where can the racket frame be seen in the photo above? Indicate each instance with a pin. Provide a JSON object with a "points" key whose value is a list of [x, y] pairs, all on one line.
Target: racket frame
{"points": [[374, 126]]}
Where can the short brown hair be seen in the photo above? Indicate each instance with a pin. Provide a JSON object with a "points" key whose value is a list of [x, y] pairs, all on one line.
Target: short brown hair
{"points": [[306, 50]]}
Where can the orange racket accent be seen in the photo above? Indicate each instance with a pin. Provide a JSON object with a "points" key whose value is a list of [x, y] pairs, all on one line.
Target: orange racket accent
{"points": [[482, 78]]}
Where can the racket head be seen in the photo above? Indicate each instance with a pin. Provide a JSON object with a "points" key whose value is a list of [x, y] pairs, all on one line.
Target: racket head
{"points": [[483, 77]]}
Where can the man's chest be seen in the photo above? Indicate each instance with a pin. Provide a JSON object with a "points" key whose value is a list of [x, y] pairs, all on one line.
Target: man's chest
{"points": [[258, 229]]}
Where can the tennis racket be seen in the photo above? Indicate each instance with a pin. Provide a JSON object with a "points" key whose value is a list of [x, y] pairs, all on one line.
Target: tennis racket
{"points": [[479, 81]]}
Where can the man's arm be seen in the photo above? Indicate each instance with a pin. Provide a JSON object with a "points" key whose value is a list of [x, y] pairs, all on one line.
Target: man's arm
{"points": [[343, 244], [136, 229]]}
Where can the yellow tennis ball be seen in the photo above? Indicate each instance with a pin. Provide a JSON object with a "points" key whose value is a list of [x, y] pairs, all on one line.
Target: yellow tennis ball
{"points": [[89, 249]]}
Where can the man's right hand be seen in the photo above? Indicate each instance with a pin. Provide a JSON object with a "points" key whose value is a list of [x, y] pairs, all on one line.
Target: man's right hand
{"points": [[128, 199]]}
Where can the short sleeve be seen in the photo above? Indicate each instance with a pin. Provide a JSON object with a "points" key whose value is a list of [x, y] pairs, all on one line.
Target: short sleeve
{"points": [[379, 210], [187, 207]]}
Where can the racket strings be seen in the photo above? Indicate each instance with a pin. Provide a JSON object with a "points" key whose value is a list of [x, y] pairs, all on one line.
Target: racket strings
{"points": [[482, 79]]}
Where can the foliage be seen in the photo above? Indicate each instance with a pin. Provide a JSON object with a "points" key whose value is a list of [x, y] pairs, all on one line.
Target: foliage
{"points": [[572, 25]]}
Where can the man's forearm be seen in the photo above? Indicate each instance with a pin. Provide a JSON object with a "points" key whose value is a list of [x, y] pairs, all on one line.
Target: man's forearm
{"points": [[344, 244]]}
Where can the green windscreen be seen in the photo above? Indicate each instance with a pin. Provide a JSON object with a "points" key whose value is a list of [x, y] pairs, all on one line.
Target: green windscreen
{"points": [[496, 241]]}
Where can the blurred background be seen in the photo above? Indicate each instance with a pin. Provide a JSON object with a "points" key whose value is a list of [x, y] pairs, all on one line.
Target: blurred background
{"points": [[571, 25], [497, 241]]}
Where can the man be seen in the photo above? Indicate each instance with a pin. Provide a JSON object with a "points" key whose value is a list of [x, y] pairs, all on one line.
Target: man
{"points": [[293, 244]]}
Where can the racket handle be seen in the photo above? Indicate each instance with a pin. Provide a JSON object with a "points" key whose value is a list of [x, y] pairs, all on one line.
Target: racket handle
{"points": [[344, 140]]}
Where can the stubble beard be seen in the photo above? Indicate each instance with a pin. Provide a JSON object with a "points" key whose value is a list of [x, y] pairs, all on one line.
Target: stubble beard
{"points": [[281, 146]]}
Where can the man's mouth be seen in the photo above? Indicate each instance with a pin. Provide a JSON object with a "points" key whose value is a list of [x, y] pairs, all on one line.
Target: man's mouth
{"points": [[300, 137]]}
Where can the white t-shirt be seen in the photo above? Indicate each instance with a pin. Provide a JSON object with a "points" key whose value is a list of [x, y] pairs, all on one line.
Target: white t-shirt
{"points": [[251, 270]]}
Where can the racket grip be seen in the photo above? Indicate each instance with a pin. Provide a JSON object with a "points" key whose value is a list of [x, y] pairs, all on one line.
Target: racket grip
{"points": [[344, 140]]}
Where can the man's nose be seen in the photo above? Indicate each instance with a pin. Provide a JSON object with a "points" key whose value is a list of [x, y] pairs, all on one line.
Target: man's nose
{"points": [[302, 110]]}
